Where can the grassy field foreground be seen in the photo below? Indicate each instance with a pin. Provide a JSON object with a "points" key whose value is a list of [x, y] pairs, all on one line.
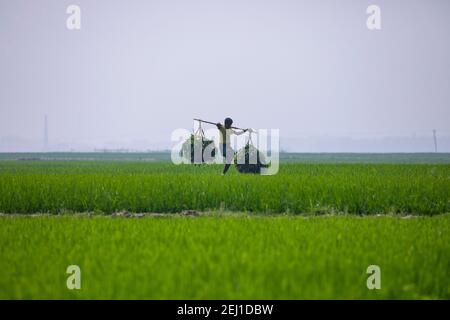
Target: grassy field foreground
{"points": [[234, 256]]}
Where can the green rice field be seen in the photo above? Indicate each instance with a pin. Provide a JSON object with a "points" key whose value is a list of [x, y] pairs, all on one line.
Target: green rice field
{"points": [[109, 186], [225, 257], [309, 232]]}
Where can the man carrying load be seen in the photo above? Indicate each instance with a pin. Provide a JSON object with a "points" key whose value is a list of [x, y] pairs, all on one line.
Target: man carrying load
{"points": [[225, 142]]}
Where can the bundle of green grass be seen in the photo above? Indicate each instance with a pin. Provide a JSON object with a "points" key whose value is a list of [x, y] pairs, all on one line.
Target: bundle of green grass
{"points": [[193, 149], [250, 160]]}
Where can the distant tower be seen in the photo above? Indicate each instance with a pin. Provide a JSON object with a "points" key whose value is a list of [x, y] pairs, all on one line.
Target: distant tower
{"points": [[435, 140], [45, 134]]}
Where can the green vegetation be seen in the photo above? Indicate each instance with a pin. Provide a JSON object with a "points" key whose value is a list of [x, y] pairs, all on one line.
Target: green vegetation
{"points": [[198, 149], [228, 257], [263, 237], [109, 186]]}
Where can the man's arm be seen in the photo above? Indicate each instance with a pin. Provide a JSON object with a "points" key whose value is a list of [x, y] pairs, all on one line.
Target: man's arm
{"points": [[238, 133]]}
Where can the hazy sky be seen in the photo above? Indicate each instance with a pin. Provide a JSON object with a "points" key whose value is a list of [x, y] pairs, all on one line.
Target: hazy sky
{"points": [[139, 69]]}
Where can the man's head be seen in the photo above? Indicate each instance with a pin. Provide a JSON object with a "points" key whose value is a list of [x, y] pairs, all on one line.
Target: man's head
{"points": [[228, 122]]}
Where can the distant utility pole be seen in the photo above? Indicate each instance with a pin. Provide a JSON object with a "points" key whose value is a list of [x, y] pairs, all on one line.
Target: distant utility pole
{"points": [[435, 140], [45, 134]]}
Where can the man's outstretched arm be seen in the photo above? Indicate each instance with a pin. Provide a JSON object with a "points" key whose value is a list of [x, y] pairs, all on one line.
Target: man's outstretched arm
{"points": [[239, 132]]}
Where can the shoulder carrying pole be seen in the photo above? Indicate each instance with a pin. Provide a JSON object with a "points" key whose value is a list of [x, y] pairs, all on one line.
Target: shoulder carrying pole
{"points": [[214, 123]]}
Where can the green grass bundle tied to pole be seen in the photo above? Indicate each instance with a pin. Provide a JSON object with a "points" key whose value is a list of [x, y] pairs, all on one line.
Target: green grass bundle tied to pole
{"points": [[198, 149], [249, 159]]}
